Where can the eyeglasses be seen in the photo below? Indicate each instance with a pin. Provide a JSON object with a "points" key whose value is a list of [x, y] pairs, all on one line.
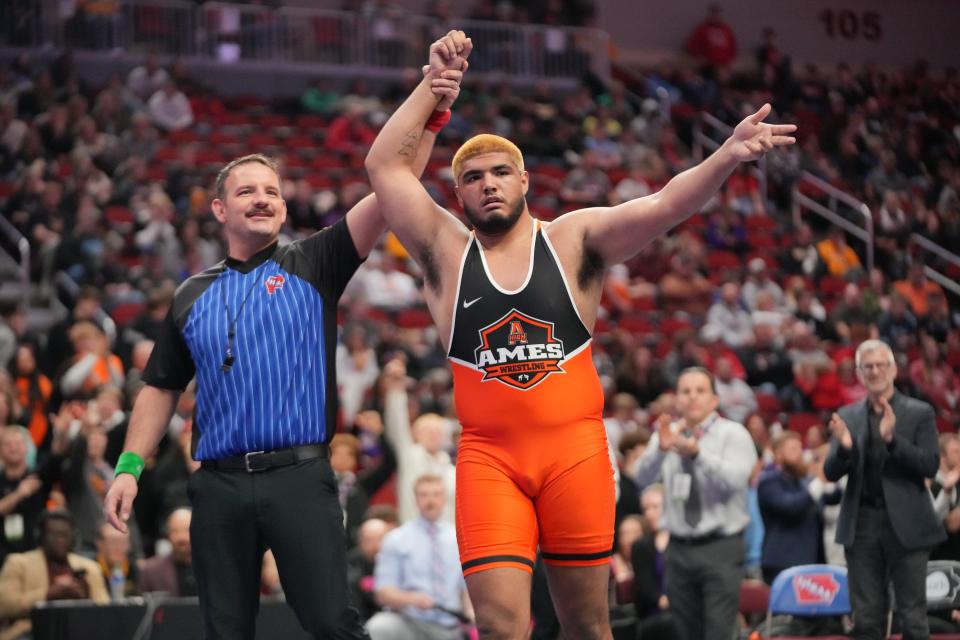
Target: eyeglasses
{"points": [[874, 366]]}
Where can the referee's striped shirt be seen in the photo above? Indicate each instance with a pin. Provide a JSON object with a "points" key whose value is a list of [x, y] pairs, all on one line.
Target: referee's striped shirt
{"points": [[281, 388]]}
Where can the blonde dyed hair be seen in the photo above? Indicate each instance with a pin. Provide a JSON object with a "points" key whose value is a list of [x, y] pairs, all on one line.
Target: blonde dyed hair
{"points": [[482, 144]]}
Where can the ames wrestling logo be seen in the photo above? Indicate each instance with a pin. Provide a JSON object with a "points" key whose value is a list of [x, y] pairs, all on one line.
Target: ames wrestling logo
{"points": [[519, 351]]}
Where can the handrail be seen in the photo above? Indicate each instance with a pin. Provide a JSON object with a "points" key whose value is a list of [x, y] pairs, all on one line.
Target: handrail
{"points": [[69, 285], [663, 98], [231, 32], [634, 82], [836, 193], [716, 123], [23, 248], [928, 245], [802, 201], [701, 140]]}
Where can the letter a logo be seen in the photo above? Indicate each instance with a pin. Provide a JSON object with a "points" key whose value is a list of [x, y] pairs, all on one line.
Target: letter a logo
{"points": [[517, 334]]}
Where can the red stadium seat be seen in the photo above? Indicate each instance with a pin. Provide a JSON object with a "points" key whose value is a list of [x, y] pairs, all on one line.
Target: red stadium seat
{"points": [[156, 173], [183, 136], [260, 139], [717, 260], [165, 154], [319, 180], [233, 119], [768, 405], [223, 137], [550, 170], [326, 161], [761, 222], [670, 326], [210, 156], [831, 286], [301, 142], [693, 223], [414, 319], [309, 122], [761, 239], [946, 425], [131, 261], [248, 101], [294, 161], [636, 323], [616, 174], [754, 598], [125, 312], [118, 215], [663, 348], [274, 120], [801, 422], [645, 303]]}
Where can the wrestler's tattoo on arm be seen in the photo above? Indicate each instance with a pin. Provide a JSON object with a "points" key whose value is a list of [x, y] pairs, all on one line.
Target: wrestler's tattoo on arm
{"points": [[410, 144]]}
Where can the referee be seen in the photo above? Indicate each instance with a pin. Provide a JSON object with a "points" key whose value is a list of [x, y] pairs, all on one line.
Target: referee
{"points": [[258, 332]]}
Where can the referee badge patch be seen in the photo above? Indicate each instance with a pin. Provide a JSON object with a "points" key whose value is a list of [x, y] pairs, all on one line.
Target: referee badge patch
{"points": [[273, 283]]}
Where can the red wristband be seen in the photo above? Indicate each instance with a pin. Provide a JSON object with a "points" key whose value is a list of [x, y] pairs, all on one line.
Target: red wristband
{"points": [[437, 120]]}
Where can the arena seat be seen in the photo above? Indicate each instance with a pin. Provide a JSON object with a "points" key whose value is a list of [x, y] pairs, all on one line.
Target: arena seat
{"points": [[768, 404], [809, 590], [413, 319], [718, 260], [802, 421], [125, 312], [831, 286]]}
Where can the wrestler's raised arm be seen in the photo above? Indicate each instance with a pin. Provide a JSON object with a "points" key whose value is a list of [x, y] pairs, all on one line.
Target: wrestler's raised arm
{"points": [[432, 235], [620, 232]]}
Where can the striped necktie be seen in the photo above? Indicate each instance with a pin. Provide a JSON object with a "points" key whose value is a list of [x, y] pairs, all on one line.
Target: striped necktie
{"points": [[437, 567]]}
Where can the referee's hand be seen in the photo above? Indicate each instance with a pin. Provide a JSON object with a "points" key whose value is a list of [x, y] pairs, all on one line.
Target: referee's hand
{"points": [[119, 501]]}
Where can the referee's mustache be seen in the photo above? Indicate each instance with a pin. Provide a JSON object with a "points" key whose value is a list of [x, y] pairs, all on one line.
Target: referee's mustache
{"points": [[257, 211]]}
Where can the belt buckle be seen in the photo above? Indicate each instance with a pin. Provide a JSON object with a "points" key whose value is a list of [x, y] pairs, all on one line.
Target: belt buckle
{"points": [[247, 465]]}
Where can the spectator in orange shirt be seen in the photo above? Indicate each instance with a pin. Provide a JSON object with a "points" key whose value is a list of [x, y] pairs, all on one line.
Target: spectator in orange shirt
{"points": [[916, 287], [33, 394], [840, 259], [94, 365]]}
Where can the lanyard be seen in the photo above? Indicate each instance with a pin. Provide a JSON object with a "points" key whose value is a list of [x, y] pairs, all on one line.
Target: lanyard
{"points": [[232, 324]]}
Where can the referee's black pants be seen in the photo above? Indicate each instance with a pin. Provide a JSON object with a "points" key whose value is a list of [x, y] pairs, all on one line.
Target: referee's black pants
{"points": [[292, 510]]}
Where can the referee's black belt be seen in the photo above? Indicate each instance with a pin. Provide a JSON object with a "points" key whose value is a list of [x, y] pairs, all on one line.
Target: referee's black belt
{"points": [[264, 460], [705, 538]]}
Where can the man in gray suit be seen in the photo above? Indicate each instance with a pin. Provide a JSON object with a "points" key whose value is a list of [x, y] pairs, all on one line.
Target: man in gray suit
{"points": [[887, 446]]}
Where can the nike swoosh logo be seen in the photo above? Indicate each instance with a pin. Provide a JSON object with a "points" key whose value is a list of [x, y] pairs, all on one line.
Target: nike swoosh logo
{"points": [[467, 305]]}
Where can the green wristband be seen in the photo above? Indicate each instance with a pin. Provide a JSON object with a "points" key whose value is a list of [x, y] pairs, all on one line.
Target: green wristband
{"points": [[131, 463]]}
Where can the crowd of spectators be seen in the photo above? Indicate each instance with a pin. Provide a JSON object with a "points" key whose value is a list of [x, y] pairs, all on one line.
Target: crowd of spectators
{"points": [[111, 185]]}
